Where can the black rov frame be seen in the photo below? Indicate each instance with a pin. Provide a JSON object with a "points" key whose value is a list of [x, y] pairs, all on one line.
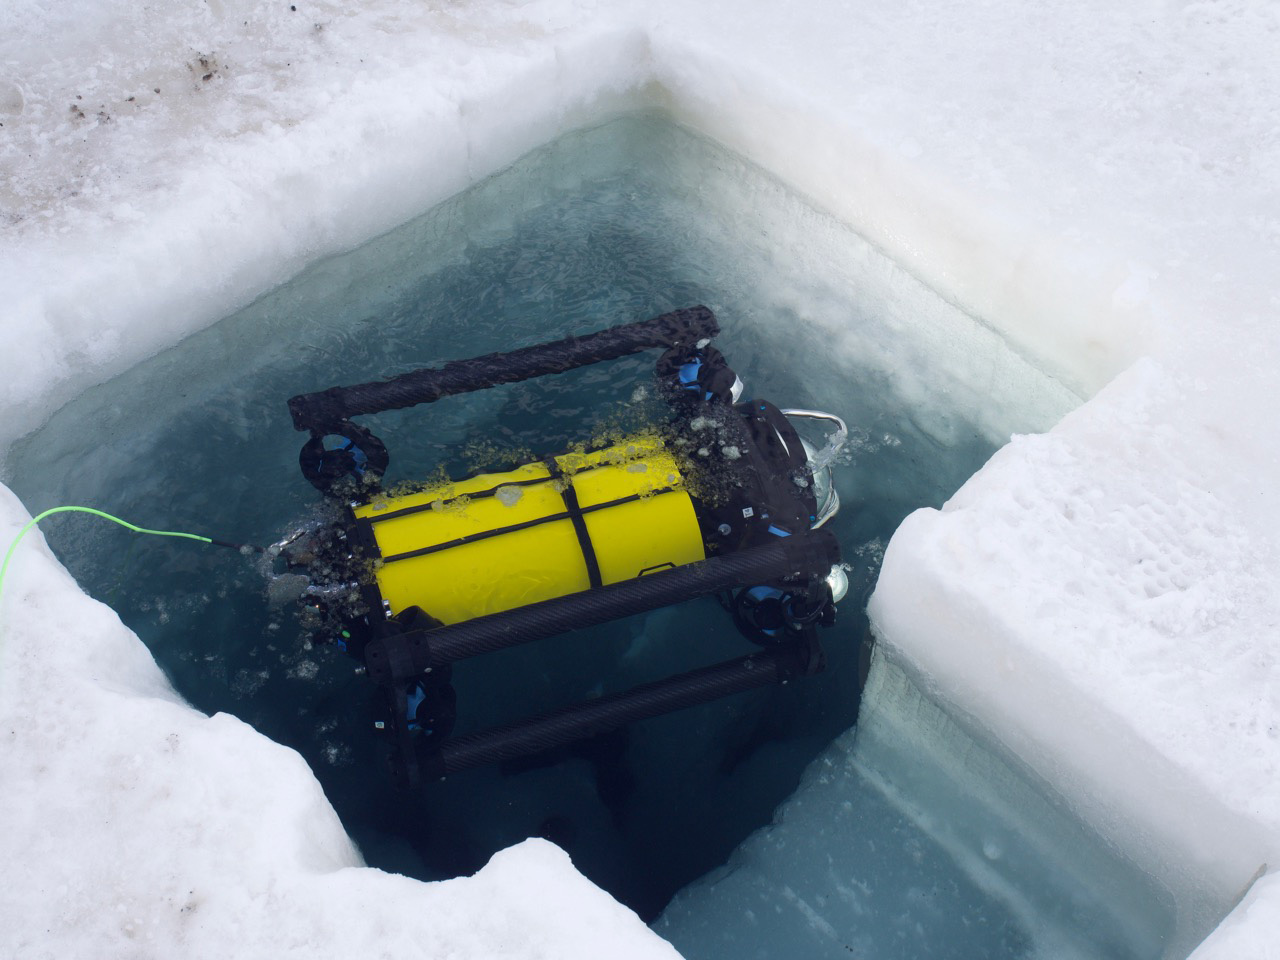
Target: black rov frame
{"points": [[412, 649]]}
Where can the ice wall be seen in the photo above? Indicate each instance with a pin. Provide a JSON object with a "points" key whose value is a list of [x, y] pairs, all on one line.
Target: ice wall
{"points": [[1080, 661], [1094, 184], [1095, 181], [908, 839], [133, 217], [137, 826]]}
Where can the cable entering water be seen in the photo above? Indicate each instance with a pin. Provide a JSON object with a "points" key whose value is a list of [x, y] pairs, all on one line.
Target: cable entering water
{"points": [[31, 525]]}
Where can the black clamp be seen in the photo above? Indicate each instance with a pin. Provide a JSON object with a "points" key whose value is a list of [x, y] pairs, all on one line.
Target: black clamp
{"points": [[357, 462]]}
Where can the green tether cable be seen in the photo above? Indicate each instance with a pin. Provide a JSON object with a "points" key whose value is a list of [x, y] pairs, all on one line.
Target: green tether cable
{"points": [[4, 567]]}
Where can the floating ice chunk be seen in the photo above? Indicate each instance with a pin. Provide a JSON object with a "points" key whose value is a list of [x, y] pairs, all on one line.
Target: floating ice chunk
{"points": [[304, 670], [286, 588], [509, 495]]}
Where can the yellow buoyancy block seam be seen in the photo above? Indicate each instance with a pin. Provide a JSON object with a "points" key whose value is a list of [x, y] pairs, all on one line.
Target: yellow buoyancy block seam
{"points": [[498, 541]]}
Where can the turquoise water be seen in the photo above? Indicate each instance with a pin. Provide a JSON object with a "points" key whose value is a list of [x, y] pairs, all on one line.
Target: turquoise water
{"points": [[607, 226]]}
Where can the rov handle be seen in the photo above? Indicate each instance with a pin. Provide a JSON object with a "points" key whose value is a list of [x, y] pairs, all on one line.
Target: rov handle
{"points": [[320, 411]]}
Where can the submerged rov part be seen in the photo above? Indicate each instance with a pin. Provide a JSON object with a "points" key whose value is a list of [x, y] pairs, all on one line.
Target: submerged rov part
{"points": [[722, 499]]}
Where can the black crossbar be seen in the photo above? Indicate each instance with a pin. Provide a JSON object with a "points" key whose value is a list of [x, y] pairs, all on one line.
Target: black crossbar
{"points": [[603, 714], [395, 657], [327, 409]]}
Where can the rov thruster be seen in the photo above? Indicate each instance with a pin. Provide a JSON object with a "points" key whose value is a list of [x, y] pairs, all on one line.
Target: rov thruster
{"points": [[724, 497]]}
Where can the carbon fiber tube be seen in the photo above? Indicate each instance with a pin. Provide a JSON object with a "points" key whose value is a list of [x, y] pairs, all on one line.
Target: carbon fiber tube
{"points": [[809, 554], [592, 717], [329, 408]]}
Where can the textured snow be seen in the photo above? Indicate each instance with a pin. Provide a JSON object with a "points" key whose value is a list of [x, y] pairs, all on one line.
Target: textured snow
{"points": [[1097, 182]]}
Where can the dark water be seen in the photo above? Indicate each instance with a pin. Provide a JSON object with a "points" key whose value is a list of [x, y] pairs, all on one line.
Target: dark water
{"points": [[608, 226]]}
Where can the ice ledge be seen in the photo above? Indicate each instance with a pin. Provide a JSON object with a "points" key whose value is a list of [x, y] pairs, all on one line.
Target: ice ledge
{"points": [[132, 261], [138, 825], [1244, 933], [1052, 300], [1088, 602]]}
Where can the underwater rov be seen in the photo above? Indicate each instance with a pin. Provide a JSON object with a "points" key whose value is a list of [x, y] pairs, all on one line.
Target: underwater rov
{"points": [[726, 498]]}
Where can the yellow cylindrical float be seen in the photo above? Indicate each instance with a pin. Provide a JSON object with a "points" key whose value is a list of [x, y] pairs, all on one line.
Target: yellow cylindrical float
{"points": [[498, 541]]}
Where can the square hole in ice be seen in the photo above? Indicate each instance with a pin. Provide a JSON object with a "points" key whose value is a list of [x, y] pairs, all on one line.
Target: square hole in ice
{"points": [[892, 847]]}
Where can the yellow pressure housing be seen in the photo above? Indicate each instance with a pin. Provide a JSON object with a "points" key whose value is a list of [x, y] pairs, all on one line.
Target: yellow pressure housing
{"points": [[498, 541]]}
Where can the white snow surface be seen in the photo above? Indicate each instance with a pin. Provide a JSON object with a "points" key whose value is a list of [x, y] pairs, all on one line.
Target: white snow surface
{"points": [[1095, 181]]}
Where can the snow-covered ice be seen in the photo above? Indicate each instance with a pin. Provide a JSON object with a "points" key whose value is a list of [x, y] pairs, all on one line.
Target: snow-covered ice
{"points": [[1095, 182]]}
